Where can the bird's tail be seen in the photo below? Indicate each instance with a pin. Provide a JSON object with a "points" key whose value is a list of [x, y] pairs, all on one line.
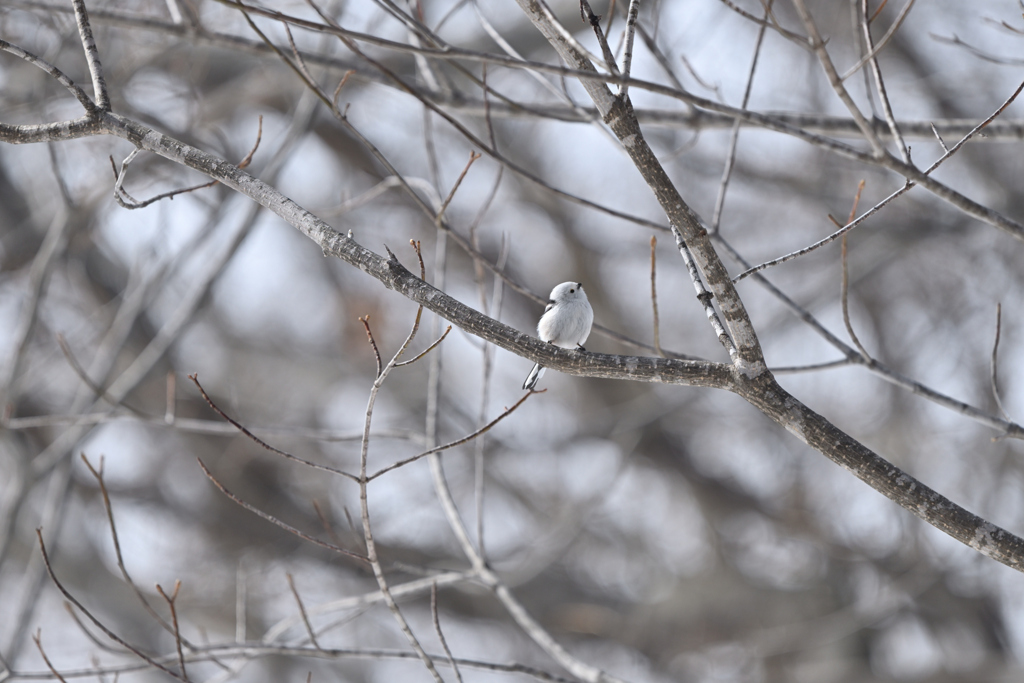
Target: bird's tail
{"points": [[533, 377]]}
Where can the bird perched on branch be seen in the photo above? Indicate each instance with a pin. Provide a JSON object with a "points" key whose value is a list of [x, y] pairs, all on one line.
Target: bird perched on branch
{"points": [[566, 323]]}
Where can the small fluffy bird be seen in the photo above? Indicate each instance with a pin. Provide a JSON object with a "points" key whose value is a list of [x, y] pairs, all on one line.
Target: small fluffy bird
{"points": [[566, 323]]}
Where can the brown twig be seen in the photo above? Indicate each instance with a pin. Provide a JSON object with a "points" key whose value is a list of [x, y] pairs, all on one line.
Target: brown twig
{"points": [[364, 507], [274, 520], [93, 638], [415, 244], [172, 380], [37, 638], [128, 202], [87, 381], [169, 599], [845, 287], [325, 522], [369, 336], [110, 634], [97, 474], [302, 611], [473, 156], [654, 299], [426, 350], [457, 442], [237, 425]]}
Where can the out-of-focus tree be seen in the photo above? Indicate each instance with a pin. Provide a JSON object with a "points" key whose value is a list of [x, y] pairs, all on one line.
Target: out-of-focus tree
{"points": [[203, 380]]}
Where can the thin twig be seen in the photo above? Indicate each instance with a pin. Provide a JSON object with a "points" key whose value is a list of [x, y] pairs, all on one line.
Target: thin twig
{"points": [[87, 381], [440, 633], [93, 638], [302, 611], [873, 50], [994, 365], [654, 299], [110, 634], [369, 336], [426, 350], [942, 143], [37, 638], [174, 620], [97, 474], [876, 71], [274, 520], [817, 44], [364, 508], [906, 187], [734, 138], [124, 199], [57, 74], [240, 427], [845, 288], [458, 442], [473, 156]]}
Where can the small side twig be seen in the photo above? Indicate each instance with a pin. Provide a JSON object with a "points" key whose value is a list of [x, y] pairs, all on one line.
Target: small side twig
{"points": [[942, 143], [440, 633], [128, 202], [473, 156], [274, 520], [240, 427], [995, 359], [170, 394], [302, 611], [734, 137], [364, 508], [457, 442], [369, 335], [877, 207], [654, 300], [426, 350], [845, 287], [170, 599], [87, 381], [37, 638], [110, 634], [97, 473]]}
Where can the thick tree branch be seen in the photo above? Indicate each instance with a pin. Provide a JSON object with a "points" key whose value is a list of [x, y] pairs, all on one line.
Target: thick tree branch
{"points": [[761, 389]]}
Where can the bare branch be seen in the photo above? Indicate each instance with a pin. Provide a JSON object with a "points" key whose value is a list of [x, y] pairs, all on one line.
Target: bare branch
{"points": [[92, 56], [302, 612], [237, 425], [110, 634], [174, 621], [275, 520]]}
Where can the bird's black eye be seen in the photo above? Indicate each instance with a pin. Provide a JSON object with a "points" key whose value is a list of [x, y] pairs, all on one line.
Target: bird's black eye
{"points": [[572, 291]]}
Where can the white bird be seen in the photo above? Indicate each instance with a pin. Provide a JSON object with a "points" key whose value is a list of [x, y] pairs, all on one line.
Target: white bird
{"points": [[566, 323]]}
